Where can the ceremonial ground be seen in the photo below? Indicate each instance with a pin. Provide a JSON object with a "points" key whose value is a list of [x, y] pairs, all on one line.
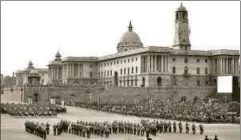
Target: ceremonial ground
{"points": [[12, 128]]}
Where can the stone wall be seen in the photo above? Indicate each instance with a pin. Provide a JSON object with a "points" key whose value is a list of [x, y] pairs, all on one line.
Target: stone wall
{"points": [[11, 95], [115, 94]]}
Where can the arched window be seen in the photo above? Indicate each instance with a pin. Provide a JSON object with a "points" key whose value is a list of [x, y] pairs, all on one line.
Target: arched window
{"points": [[186, 70], [159, 81]]}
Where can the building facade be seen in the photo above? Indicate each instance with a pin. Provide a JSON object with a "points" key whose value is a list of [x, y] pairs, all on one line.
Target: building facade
{"points": [[22, 75], [153, 66]]}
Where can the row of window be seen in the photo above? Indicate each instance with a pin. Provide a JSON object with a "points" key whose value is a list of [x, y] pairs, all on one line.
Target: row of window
{"points": [[186, 69], [124, 71], [118, 61], [186, 60]]}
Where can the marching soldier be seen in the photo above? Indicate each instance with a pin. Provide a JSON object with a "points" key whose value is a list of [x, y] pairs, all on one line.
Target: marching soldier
{"points": [[201, 129], [180, 127], [54, 129], [47, 128], [88, 131], [138, 129], [142, 130], [174, 127], [193, 128], [161, 127], [187, 127], [170, 127]]}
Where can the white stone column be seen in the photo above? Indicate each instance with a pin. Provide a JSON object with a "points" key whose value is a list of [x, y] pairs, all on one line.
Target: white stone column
{"points": [[166, 63], [160, 63], [163, 63], [157, 63]]}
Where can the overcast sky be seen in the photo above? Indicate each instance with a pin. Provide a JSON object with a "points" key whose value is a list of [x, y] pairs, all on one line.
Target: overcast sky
{"points": [[36, 30]]}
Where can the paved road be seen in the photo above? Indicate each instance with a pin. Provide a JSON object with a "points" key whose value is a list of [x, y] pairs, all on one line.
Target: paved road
{"points": [[12, 128]]}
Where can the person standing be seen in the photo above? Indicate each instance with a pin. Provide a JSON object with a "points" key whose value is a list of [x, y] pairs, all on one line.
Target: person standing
{"points": [[193, 128], [174, 127], [180, 127]]}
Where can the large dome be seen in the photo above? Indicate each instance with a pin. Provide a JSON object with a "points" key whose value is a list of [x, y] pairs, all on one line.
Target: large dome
{"points": [[130, 39]]}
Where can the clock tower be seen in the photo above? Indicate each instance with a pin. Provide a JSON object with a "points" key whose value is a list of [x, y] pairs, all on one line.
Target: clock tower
{"points": [[182, 31]]}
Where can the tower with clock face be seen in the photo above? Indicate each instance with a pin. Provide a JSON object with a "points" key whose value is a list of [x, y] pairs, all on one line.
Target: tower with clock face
{"points": [[182, 31]]}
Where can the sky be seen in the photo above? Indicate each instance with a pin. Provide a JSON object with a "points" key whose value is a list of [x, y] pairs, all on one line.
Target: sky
{"points": [[37, 30]]}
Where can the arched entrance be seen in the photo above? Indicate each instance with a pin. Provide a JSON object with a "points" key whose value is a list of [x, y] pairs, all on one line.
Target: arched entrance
{"points": [[143, 81], [116, 78], [36, 97], [159, 81]]}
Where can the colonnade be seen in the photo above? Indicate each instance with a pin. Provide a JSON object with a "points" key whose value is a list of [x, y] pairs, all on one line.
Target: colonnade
{"points": [[73, 70], [154, 63], [227, 65]]}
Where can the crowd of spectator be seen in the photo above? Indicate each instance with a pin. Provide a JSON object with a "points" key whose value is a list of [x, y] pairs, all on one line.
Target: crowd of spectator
{"points": [[20, 109], [197, 110]]}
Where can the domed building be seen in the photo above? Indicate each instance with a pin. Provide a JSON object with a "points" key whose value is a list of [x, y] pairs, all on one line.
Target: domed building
{"points": [[129, 41], [22, 75], [163, 68]]}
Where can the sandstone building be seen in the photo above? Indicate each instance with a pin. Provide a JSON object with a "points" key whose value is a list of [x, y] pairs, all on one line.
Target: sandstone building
{"points": [[137, 66]]}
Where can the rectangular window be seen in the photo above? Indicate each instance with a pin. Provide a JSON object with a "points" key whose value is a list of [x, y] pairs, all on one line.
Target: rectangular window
{"points": [[197, 60], [185, 60], [198, 70], [132, 59], [206, 70], [173, 59], [124, 71], [128, 71], [121, 71], [198, 82], [90, 74], [136, 59], [132, 70], [206, 82], [174, 70], [206, 60], [136, 69]]}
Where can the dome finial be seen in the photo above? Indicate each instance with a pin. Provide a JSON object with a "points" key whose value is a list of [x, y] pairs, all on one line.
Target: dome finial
{"points": [[130, 27], [30, 64], [181, 4], [58, 54]]}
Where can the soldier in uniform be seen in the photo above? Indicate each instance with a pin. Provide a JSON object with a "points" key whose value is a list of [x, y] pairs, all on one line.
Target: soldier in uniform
{"points": [[54, 129], [201, 129], [47, 128], [187, 127], [142, 130], [138, 129], [180, 126], [193, 128], [106, 131], [161, 127], [174, 127], [216, 137], [206, 138], [170, 127], [165, 127], [88, 131], [134, 128]]}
